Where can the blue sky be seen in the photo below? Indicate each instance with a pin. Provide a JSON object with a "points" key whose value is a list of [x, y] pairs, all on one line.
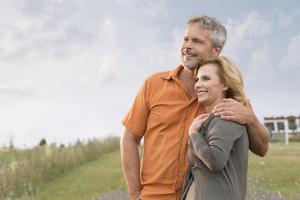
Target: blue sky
{"points": [[70, 69]]}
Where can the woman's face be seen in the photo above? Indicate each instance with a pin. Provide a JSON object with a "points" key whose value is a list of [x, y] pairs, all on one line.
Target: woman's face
{"points": [[208, 87]]}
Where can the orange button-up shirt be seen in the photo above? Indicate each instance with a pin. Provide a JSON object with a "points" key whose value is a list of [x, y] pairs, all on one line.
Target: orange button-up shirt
{"points": [[162, 112]]}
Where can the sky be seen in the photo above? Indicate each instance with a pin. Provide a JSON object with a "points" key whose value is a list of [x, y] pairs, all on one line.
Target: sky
{"points": [[70, 69]]}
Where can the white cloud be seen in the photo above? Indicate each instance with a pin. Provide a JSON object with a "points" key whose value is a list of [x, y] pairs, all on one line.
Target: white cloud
{"points": [[73, 68], [128, 2], [178, 39], [108, 70], [260, 67], [155, 8], [292, 58], [245, 33], [285, 20]]}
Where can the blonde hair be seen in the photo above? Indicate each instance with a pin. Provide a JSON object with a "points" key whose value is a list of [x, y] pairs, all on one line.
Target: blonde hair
{"points": [[230, 76]]}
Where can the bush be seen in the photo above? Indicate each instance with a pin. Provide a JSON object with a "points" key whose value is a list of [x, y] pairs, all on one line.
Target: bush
{"points": [[43, 142]]}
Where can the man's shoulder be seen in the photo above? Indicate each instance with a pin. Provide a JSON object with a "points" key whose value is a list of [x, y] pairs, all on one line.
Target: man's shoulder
{"points": [[161, 74], [164, 74]]}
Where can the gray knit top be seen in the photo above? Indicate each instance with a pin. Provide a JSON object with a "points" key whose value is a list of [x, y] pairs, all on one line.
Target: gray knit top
{"points": [[218, 158]]}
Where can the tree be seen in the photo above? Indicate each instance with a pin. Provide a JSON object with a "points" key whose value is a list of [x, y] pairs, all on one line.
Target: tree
{"points": [[43, 142], [292, 125]]}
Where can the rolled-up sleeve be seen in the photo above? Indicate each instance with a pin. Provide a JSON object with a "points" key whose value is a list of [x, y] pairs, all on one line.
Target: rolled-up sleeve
{"points": [[137, 116]]}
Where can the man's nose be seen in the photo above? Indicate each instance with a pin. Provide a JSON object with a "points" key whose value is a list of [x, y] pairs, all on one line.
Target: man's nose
{"points": [[188, 45]]}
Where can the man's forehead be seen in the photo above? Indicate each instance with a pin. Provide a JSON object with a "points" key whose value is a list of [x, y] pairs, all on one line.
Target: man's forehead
{"points": [[200, 26], [197, 29]]}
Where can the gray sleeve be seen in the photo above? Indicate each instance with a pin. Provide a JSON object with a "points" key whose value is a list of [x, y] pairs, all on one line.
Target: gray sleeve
{"points": [[214, 151]]}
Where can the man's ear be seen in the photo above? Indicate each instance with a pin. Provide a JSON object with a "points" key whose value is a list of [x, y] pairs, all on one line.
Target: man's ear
{"points": [[216, 50]]}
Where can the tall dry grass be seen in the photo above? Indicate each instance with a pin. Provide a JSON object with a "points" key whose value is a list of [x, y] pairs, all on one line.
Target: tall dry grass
{"points": [[22, 172]]}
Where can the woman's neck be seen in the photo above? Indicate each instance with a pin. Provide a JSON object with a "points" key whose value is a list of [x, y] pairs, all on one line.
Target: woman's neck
{"points": [[210, 108]]}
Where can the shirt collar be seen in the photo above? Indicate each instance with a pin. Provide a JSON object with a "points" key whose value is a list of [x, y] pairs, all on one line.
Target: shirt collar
{"points": [[173, 73]]}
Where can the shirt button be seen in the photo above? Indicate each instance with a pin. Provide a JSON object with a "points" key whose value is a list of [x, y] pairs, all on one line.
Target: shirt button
{"points": [[178, 174], [186, 120], [182, 137], [180, 156]]}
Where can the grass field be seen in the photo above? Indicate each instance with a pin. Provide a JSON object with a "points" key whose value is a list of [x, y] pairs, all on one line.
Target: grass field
{"points": [[278, 171], [90, 180], [276, 176], [25, 172]]}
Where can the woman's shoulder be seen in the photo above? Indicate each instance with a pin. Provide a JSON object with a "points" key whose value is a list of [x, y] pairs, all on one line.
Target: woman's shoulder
{"points": [[219, 122]]}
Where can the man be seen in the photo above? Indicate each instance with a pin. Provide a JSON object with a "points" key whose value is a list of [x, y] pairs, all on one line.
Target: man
{"points": [[162, 112]]}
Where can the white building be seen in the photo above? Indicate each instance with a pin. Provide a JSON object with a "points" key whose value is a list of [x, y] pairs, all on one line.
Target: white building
{"points": [[285, 125]]}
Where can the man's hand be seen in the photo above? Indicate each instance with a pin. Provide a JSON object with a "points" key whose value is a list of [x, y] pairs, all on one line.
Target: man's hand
{"points": [[233, 110], [259, 135]]}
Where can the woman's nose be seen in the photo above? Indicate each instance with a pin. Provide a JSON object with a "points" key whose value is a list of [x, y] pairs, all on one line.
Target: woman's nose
{"points": [[198, 85]]}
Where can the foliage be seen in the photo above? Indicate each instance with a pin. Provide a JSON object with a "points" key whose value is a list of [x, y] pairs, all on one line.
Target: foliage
{"points": [[273, 177], [43, 142], [23, 171], [292, 124]]}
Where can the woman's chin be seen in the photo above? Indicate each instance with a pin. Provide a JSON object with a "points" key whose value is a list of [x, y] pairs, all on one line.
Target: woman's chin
{"points": [[201, 101]]}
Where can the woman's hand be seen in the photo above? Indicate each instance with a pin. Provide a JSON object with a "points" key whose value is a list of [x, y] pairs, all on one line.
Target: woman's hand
{"points": [[198, 123]]}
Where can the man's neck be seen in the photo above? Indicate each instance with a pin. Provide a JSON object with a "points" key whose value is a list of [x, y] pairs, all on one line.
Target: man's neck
{"points": [[186, 75]]}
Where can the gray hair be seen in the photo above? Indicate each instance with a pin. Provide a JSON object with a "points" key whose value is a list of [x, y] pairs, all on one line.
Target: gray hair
{"points": [[219, 35]]}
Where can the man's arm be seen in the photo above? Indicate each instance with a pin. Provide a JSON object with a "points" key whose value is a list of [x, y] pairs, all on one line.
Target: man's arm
{"points": [[259, 135], [129, 147]]}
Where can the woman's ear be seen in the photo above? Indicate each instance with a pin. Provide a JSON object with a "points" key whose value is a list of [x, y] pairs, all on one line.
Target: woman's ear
{"points": [[225, 88]]}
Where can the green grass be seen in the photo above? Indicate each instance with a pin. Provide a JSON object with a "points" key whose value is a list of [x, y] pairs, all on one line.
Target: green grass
{"points": [[87, 181], [277, 174], [278, 171], [23, 172]]}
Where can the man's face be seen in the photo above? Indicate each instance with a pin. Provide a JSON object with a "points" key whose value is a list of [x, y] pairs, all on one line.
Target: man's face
{"points": [[196, 45]]}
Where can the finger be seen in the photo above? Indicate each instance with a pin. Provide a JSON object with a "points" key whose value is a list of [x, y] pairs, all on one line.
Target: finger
{"points": [[228, 100], [202, 116], [229, 118], [223, 105], [224, 113], [204, 119], [205, 115], [221, 109]]}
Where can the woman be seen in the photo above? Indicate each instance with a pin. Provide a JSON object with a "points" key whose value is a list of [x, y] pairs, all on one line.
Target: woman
{"points": [[218, 149]]}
